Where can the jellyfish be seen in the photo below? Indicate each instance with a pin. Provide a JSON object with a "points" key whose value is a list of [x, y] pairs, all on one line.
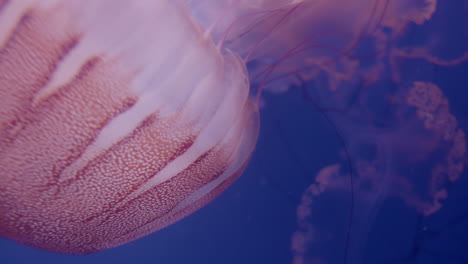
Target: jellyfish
{"points": [[93, 156], [385, 174], [119, 118], [403, 145]]}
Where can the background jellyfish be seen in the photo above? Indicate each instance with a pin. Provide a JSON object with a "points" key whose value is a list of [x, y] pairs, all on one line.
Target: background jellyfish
{"points": [[410, 166], [403, 147], [371, 74]]}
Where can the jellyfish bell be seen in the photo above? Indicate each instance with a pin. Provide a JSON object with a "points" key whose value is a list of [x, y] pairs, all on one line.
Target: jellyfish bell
{"points": [[117, 119]]}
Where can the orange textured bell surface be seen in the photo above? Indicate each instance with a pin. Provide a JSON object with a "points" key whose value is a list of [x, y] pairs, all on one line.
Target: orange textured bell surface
{"points": [[110, 128]]}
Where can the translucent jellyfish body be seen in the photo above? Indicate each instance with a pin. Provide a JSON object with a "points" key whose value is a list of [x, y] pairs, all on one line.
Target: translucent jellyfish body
{"points": [[119, 118]]}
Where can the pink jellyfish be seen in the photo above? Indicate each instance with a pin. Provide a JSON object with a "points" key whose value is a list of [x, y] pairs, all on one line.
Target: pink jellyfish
{"points": [[117, 118], [415, 163], [121, 117], [404, 146]]}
